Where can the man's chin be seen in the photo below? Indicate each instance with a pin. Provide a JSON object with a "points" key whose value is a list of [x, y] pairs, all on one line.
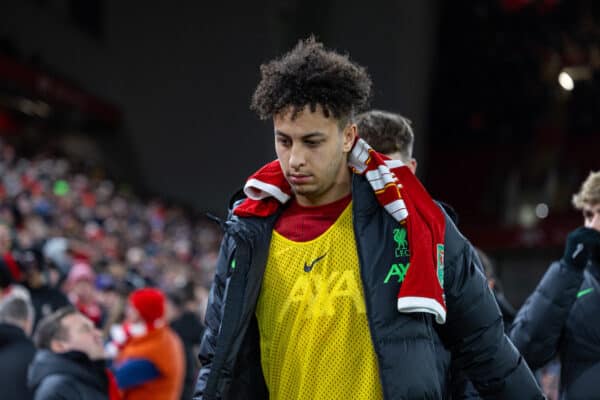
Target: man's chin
{"points": [[303, 190]]}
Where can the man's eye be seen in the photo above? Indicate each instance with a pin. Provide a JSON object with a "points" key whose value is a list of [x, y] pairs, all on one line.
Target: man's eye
{"points": [[283, 142], [312, 143]]}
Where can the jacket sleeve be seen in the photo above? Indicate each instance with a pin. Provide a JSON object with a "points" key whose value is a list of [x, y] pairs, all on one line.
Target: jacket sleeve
{"points": [[214, 314], [474, 330], [539, 324], [135, 372]]}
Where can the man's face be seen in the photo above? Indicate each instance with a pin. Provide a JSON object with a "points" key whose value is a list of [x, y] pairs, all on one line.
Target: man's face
{"points": [[313, 153], [591, 216], [80, 335], [84, 291]]}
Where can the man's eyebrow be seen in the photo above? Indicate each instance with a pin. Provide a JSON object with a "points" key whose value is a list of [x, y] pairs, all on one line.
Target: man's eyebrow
{"points": [[311, 135]]}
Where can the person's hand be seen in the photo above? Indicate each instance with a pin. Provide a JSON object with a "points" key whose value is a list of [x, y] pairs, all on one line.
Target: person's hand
{"points": [[582, 244]]}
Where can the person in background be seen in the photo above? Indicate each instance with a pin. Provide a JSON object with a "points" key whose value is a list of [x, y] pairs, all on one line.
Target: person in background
{"points": [[112, 298], [150, 363], [185, 322], [16, 348], [561, 316], [69, 364], [10, 272], [81, 289], [508, 311], [44, 297], [392, 135]]}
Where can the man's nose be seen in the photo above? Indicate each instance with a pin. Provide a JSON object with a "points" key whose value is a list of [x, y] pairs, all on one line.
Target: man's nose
{"points": [[297, 157]]}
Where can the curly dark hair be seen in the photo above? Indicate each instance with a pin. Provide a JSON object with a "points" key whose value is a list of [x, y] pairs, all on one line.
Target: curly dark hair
{"points": [[312, 75]]}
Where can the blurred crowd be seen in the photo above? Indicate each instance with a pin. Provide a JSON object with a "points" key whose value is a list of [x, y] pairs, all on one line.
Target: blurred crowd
{"points": [[73, 237]]}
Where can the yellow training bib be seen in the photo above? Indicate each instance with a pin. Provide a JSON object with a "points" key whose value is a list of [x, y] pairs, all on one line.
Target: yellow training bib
{"points": [[314, 336]]}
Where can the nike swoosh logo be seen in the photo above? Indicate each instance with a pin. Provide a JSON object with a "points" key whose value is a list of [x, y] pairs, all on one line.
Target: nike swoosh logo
{"points": [[309, 267], [584, 292]]}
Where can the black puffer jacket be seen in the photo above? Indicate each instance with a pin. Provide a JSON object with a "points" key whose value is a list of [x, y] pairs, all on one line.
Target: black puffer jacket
{"points": [[67, 376], [16, 352], [561, 317], [230, 353]]}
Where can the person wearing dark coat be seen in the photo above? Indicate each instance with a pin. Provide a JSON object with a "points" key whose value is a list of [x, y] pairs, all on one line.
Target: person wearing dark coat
{"points": [[16, 349], [316, 293], [70, 375], [44, 297], [188, 327], [69, 364], [561, 316]]}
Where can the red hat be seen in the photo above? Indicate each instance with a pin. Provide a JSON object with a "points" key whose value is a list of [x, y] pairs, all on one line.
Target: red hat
{"points": [[149, 303]]}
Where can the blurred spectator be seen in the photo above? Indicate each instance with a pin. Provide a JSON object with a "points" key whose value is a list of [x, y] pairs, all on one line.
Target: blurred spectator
{"points": [[56, 215], [69, 363], [507, 310], [80, 286], [9, 270], [56, 251], [111, 299], [16, 349], [186, 323], [45, 298], [560, 317], [151, 360]]}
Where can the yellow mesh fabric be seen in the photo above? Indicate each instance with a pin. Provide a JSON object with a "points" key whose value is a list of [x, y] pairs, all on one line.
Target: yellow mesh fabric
{"points": [[314, 337]]}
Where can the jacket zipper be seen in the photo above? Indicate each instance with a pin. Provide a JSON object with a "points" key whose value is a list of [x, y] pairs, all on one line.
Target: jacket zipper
{"points": [[232, 309]]}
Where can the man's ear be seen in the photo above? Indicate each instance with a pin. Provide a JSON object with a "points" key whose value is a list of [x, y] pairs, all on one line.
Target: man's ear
{"points": [[57, 346], [27, 326], [350, 133], [412, 165]]}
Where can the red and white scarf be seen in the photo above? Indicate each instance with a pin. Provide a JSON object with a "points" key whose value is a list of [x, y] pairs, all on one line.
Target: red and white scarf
{"points": [[120, 334], [401, 194]]}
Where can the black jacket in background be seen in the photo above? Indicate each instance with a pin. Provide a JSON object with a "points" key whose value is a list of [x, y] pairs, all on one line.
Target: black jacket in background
{"points": [[16, 353], [189, 328], [67, 376], [562, 317]]}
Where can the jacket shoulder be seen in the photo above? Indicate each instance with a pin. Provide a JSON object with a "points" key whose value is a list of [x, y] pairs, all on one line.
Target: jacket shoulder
{"points": [[57, 387]]}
